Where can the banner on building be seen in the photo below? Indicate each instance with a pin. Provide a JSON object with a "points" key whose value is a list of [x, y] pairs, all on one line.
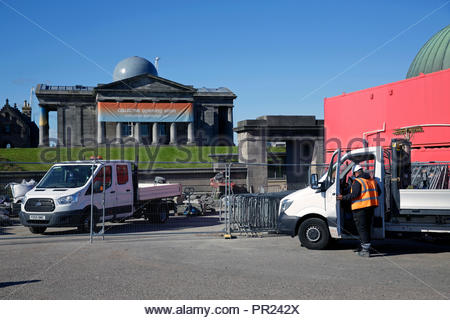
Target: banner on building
{"points": [[145, 111]]}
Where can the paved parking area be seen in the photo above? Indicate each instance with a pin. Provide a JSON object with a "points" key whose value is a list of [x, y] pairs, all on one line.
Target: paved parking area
{"points": [[188, 259]]}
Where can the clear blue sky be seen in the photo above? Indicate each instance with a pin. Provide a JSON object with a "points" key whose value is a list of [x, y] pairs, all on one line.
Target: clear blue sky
{"points": [[277, 56]]}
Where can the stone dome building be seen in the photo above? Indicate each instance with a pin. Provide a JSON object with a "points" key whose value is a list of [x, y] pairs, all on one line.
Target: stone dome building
{"points": [[139, 107]]}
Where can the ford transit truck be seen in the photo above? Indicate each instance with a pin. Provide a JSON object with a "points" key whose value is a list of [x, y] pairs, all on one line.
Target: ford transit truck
{"points": [[316, 216], [64, 195]]}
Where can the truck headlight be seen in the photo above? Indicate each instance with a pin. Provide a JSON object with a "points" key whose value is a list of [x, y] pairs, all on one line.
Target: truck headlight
{"points": [[68, 199], [285, 204]]}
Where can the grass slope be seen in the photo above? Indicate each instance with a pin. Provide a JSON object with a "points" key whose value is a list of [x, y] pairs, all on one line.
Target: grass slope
{"points": [[178, 156]]}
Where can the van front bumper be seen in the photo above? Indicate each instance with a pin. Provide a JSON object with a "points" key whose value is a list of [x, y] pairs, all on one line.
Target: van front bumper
{"points": [[51, 219], [287, 224]]}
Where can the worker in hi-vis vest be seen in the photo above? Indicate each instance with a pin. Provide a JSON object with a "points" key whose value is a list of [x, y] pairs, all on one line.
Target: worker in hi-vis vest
{"points": [[364, 198]]}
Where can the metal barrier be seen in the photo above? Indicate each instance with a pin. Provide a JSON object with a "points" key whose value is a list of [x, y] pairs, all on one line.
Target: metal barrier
{"points": [[430, 175], [252, 213]]}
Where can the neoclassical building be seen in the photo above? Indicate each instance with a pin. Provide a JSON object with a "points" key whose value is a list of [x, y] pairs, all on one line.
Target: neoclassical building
{"points": [[137, 107]]}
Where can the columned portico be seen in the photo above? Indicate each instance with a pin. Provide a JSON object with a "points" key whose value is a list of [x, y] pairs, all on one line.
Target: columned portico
{"points": [[143, 108]]}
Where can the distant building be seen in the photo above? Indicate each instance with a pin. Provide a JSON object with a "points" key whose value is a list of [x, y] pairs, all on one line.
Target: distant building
{"points": [[16, 128], [137, 107]]}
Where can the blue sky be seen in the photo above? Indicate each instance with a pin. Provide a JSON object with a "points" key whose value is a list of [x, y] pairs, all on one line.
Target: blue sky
{"points": [[279, 57]]}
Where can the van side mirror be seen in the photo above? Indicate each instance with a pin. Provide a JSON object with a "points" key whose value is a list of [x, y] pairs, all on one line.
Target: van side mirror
{"points": [[314, 182]]}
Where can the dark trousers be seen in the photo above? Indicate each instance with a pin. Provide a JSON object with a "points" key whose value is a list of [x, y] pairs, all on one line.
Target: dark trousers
{"points": [[363, 222]]}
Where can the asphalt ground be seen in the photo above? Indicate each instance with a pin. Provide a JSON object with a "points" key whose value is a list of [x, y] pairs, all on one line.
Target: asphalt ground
{"points": [[189, 259]]}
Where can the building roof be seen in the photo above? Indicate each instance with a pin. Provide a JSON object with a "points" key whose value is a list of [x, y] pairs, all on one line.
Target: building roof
{"points": [[433, 56]]}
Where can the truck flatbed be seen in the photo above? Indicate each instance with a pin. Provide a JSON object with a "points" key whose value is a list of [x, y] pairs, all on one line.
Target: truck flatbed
{"points": [[150, 191], [422, 201]]}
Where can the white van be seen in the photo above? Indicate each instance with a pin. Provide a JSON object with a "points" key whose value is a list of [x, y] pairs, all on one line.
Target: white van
{"points": [[63, 197]]}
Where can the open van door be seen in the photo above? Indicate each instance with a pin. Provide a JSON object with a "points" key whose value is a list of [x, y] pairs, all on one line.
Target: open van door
{"points": [[333, 206]]}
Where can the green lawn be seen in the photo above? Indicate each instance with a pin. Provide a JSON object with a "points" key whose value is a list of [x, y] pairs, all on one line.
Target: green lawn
{"points": [[179, 157]]}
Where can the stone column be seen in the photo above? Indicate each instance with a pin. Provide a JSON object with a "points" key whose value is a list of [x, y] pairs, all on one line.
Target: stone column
{"points": [[155, 133], [43, 128], [61, 114], [173, 133], [100, 132], [190, 133], [230, 125], [253, 151], [118, 132], [137, 132]]}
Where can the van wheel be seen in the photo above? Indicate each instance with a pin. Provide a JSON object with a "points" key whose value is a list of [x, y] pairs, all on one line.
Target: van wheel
{"points": [[37, 230], [85, 226], [163, 214], [314, 234]]}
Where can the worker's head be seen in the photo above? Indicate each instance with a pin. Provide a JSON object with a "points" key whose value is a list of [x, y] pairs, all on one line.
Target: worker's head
{"points": [[357, 170]]}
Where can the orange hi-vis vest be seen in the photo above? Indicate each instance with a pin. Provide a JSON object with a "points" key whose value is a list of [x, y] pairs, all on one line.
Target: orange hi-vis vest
{"points": [[368, 196]]}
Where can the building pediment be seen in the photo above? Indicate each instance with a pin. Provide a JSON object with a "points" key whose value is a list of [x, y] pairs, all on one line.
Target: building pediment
{"points": [[147, 83]]}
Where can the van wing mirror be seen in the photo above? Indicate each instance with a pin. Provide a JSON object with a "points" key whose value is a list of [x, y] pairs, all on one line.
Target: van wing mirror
{"points": [[314, 182]]}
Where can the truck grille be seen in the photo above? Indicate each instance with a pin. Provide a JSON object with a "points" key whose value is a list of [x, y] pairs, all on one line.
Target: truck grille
{"points": [[40, 205]]}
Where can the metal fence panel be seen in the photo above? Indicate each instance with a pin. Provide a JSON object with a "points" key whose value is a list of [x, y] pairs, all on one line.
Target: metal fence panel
{"points": [[255, 212]]}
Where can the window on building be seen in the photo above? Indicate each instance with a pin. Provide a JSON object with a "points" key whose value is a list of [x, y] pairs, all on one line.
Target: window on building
{"points": [[7, 128], [125, 129], [122, 173]]}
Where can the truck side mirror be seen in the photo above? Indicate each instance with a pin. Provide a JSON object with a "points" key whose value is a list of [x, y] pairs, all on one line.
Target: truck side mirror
{"points": [[314, 181]]}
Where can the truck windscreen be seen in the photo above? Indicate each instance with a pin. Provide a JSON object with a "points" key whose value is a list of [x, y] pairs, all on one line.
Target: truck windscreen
{"points": [[66, 176]]}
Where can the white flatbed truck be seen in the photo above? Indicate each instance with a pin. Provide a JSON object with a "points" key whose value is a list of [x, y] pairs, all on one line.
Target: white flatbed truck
{"points": [[315, 216], [63, 197]]}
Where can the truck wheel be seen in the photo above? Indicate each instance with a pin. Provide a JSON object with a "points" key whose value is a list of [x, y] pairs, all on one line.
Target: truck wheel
{"points": [[37, 230], [85, 226], [163, 214], [314, 234]]}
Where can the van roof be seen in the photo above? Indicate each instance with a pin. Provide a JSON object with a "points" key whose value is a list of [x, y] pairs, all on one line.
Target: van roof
{"points": [[94, 161]]}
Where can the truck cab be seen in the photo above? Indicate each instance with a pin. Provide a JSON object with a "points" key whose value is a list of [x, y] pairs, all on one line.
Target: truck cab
{"points": [[63, 197]]}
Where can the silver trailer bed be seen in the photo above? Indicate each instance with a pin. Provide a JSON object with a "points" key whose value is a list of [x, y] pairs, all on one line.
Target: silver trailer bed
{"points": [[425, 199], [150, 191]]}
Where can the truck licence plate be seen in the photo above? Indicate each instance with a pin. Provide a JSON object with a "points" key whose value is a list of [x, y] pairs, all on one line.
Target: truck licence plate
{"points": [[37, 217]]}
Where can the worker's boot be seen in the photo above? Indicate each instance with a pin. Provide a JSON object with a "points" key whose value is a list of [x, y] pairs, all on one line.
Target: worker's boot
{"points": [[364, 253], [365, 250]]}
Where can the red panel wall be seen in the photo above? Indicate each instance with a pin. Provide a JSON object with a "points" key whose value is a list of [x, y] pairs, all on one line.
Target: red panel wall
{"points": [[422, 100]]}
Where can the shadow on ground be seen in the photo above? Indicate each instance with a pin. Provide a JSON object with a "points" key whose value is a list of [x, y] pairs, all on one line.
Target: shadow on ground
{"points": [[16, 283], [143, 226], [395, 247]]}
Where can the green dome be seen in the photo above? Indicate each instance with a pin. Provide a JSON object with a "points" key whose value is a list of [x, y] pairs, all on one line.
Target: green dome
{"points": [[433, 56]]}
